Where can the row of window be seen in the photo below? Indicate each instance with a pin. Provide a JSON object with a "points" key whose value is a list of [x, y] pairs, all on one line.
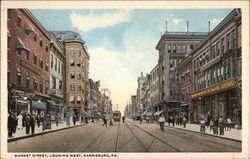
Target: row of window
{"points": [[56, 64], [213, 76], [219, 47], [28, 79], [75, 99], [75, 75], [185, 94], [76, 52], [180, 48], [75, 87]]}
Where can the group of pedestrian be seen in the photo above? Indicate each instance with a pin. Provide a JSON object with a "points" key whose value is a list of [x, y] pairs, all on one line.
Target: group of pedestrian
{"points": [[18, 122], [105, 121], [177, 120], [216, 124]]}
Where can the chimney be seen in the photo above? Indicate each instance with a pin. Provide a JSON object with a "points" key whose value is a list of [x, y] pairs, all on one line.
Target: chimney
{"points": [[209, 26]]}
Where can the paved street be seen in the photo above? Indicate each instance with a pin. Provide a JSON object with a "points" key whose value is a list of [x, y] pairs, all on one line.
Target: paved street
{"points": [[123, 137]]}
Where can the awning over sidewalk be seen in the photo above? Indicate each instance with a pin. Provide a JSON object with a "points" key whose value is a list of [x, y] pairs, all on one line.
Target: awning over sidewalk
{"points": [[158, 113], [144, 113], [150, 113]]}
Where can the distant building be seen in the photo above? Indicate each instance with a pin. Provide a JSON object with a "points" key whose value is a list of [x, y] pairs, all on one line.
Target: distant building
{"points": [[154, 89], [140, 93], [28, 63], [94, 106], [77, 71], [172, 47], [134, 105]]}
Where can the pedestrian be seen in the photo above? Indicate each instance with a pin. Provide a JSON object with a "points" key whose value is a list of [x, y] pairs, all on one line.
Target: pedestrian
{"points": [[161, 121], [74, 119], [173, 121], [38, 120], [169, 121], [140, 118], [177, 120], [24, 117], [202, 127], [211, 124], [181, 121], [123, 119], [221, 125], [57, 120], [27, 123], [106, 123], [15, 122], [184, 120], [20, 121], [86, 120], [215, 127], [10, 125], [229, 123], [32, 123], [111, 121]]}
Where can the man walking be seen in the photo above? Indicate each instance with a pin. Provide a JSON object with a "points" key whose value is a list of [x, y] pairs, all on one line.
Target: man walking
{"points": [[221, 125], [123, 119], [161, 121], [32, 123], [27, 123]]}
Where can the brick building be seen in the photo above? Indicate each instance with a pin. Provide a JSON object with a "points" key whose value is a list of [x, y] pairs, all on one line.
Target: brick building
{"points": [[28, 62]]}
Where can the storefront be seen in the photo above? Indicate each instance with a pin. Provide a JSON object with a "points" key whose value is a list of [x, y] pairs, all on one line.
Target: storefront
{"points": [[215, 101]]}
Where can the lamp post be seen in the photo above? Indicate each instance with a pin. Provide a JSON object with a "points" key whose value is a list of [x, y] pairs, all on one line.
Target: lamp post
{"points": [[200, 105]]}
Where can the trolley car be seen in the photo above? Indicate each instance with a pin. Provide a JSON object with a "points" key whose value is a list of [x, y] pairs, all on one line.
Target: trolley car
{"points": [[117, 116]]}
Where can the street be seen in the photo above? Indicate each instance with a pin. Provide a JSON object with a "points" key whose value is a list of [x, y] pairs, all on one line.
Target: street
{"points": [[123, 137]]}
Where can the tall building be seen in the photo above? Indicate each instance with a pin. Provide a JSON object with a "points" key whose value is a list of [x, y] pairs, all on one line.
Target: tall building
{"points": [[134, 105], [154, 89], [28, 63], [217, 71], [140, 93], [76, 67], [57, 77], [172, 47]]}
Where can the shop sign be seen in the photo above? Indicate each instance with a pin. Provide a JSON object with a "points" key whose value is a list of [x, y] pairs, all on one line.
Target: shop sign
{"points": [[215, 89], [29, 67]]}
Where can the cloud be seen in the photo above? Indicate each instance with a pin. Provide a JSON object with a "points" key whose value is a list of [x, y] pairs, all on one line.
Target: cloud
{"points": [[118, 70], [214, 22], [176, 20], [91, 21]]}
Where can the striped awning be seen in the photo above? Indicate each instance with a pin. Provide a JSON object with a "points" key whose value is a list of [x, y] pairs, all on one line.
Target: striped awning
{"points": [[20, 45], [158, 113], [29, 28]]}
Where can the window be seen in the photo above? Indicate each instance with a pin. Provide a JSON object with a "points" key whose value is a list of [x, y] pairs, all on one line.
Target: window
{"points": [[78, 63], [9, 39], [59, 67], [51, 61], [179, 48], [191, 47], [18, 21], [72, 99], [35, 37], [27, 55], [41, 63], [35, 58], [228, 42], [72, 75], [60, 85], [224, 45], [169, 48], [72, 63], [217, 49], [8, 77], [41, 85], [222, 73], [174, 48], [35, 83], [78, 88], [18, 51], [78, 75], [55, 63], [72, 87], [213, 52], [234, 39], [53, 82], [27, 79], [46, 87], [47, 66], [79, 99], [78, 52], [47, 48], [18, 74], [41, 42], [72, 52]]}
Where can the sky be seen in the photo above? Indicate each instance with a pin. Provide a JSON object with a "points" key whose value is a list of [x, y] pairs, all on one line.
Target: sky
{"points": [[121, 43]]}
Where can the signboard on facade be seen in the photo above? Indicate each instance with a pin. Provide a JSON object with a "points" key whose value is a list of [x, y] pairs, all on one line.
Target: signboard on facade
{"points": [[215, 89]]}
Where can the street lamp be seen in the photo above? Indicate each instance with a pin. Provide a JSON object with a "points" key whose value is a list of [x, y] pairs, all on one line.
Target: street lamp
{"points": [[200, 105]]}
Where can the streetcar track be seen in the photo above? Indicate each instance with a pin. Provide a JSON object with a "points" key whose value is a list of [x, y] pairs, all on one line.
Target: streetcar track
{"points": [[116, 145], [94, 140], [137, 138], [176, 149]]}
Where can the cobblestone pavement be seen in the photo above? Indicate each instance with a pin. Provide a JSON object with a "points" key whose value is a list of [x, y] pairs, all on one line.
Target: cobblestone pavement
{"points": [[124, 137]]}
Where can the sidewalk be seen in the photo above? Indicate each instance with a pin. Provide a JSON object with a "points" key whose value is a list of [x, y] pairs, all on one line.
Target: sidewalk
{"points": [[234, 134], [21, 134]]}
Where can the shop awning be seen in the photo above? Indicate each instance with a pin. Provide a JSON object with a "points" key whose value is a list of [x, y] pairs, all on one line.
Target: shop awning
{"points": [[158, 113], [144, 113], [20, 45], [29, 28], [150, 113]]}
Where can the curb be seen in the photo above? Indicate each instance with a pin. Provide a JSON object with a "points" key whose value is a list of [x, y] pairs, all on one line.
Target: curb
{"points": [[207, 134], [42, 133]]}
